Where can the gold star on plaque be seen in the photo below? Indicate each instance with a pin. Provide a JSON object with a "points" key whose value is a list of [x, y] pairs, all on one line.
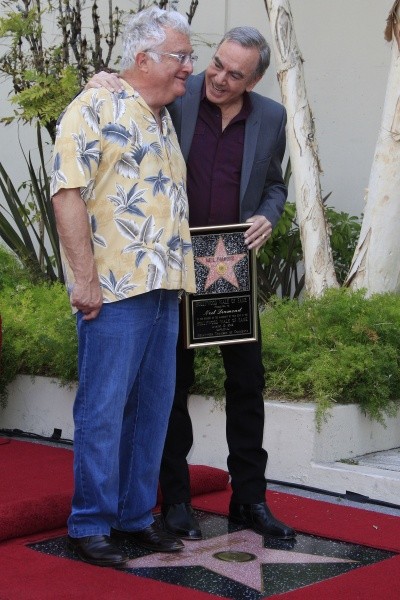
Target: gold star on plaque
{"points": [[220, 265]]}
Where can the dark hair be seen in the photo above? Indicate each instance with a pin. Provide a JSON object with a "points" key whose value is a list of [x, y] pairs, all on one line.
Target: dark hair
{"points": [[250, 37]]}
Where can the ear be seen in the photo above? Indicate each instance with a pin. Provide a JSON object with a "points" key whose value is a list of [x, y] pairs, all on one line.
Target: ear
{"points": [[142, 60], [252, 84]]}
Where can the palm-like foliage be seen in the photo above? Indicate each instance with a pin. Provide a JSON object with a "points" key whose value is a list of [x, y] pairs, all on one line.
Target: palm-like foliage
{"points": [[29, 228]]}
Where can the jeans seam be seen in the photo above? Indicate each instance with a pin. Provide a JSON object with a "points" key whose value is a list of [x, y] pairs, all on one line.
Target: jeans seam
{"points": [[84, 401], [123, 504]]}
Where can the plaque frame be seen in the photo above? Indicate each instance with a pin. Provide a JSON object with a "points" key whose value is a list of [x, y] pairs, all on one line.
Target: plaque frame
{"points": [[219, 313]]}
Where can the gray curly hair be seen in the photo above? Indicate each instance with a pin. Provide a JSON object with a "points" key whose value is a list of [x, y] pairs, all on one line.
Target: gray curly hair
{"points": [[146, 30]]}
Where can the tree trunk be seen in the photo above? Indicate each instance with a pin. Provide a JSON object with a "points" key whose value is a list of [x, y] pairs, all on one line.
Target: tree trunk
{"points": [[376, 261], [318, 261]]}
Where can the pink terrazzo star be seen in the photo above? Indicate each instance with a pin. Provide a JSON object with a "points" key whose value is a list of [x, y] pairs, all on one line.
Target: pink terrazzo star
{"points": [[220, 266], [201, 554]]}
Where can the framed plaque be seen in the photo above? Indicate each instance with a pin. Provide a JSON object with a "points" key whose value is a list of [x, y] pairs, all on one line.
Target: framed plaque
{"points": [[223, 310]]}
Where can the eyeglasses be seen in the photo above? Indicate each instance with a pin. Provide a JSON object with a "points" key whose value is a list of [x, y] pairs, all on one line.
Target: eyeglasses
{"points": [[183, 59]]}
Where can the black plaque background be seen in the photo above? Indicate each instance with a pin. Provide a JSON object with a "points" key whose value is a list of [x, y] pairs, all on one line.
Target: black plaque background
{"points": [[224, 314]]}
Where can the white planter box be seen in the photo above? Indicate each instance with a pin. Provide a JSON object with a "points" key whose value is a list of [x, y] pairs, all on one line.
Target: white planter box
{"points": [[39, 405], [298, 453]]}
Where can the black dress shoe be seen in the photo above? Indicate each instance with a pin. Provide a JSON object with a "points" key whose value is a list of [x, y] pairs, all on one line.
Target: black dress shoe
{"points": [[179, 519], [259, 518], [152, 538], [98, 550]]}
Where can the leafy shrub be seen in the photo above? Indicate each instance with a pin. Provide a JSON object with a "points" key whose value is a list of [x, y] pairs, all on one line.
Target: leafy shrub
{"points": [[47, 70], [345, 231], [12, 272], [342, 348], [210, 373], [39, 335]]}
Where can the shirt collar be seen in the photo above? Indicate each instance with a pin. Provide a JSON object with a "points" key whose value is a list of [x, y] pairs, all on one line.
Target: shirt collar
{"points": [[244, 111]]}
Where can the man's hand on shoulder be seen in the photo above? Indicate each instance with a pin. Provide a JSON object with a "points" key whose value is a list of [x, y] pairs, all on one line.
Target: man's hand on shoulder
{"points": [[109, 81], [258, 232]]}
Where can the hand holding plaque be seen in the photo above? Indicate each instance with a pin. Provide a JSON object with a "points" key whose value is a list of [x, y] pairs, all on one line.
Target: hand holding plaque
{"points": [[223, 309]]}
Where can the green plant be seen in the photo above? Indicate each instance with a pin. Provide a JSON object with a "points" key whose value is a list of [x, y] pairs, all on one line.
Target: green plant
{"points": [[279, 269], [342, 348], [279, 265], [30, 227], [39, 335], [45, 76], [345, 231], [210, 373], [12, 272], [47, 73]]}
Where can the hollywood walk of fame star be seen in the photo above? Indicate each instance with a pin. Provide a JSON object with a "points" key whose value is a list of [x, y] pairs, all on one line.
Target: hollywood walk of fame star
{"points": [[275, 566], [249, 573], [220, 265]]}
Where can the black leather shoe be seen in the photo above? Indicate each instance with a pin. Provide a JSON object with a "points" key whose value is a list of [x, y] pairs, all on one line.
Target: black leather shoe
{"points": [[152, 538], [259, 518], [179, 519], [98, 550]]}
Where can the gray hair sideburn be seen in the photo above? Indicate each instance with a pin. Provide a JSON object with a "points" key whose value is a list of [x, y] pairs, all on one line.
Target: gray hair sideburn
{"points": [[146, 30], [250, 37]]}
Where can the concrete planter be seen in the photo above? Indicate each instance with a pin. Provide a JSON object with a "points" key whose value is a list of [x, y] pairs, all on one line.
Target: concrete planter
{"points": [[39, 405], [298, 453]]}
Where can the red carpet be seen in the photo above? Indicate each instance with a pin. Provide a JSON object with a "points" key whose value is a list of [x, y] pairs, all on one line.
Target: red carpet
{"points": [[37, 487], [33, 471], [321, 518]]}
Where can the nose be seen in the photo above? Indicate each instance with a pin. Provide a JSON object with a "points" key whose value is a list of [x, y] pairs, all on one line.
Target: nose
{"points": [[188, 67], [220, 77]]}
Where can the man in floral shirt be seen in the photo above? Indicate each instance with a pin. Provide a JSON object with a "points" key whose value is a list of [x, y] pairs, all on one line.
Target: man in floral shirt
{"points": [[119, 194]]}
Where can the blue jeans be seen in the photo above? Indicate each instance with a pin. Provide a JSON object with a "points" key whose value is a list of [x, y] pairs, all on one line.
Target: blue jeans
{"points": [[126, 386]]}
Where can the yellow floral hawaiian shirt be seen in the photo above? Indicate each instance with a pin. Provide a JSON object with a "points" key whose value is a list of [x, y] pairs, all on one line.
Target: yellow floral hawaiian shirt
{"points": [[132, 177]]}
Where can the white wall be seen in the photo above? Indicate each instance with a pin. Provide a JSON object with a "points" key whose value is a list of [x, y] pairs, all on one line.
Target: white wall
{"points": [[346, 67]]}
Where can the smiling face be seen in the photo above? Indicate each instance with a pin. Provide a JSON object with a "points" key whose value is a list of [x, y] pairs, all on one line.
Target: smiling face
{"points": [[230, 74], [168, 74]]}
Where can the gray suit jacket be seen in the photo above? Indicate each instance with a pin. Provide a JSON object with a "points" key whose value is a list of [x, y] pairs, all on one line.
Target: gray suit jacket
{"points": [[262, 190]]}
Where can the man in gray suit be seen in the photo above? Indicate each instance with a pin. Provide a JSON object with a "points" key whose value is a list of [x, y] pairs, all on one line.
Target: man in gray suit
{"points": [[233, 141]]}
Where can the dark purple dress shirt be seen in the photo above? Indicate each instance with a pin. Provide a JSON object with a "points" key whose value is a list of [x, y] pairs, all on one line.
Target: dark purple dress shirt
{"points": [[214, 166]]}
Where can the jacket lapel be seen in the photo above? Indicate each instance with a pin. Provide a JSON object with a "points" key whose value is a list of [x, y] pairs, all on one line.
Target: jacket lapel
{"points": [[190, 109], [251, 132]]}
